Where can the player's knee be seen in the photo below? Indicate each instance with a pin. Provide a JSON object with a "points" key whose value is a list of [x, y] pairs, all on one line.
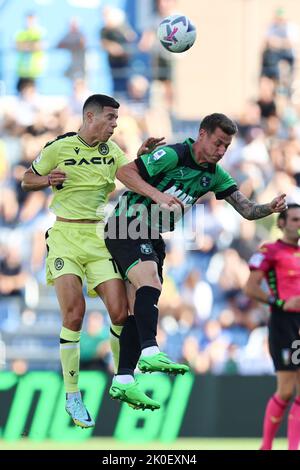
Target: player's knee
{"points": [[118, 312], [73, 319], [151, 280], [73, 324], [286, 394]]}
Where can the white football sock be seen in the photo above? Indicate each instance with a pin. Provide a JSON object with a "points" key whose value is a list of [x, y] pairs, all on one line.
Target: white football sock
{"points": [[150, 351], [124, 379]]}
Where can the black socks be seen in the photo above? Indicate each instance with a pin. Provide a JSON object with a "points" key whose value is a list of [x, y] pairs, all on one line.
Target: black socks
{"points": [[130, 348], [140, 329], [146, 315]]}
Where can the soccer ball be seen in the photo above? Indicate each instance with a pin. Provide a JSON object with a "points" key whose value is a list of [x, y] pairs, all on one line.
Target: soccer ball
{"points": [[176, 33]]}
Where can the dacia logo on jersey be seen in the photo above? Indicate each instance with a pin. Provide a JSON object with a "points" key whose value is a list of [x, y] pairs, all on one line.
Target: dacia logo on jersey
{"points": [[93, 161], [205, 181], [103, 149], [146, 248]]}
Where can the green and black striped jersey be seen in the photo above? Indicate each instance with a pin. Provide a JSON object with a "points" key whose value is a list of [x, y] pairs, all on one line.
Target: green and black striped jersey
{"points": [[90, 174], [173, 169]]}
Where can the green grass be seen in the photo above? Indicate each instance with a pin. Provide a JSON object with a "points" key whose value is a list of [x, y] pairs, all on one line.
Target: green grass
{"points": [[113, 444]]}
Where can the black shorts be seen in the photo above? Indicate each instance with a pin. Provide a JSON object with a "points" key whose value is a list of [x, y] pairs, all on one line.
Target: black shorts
{"points": [[129, 252], [284, 329]]}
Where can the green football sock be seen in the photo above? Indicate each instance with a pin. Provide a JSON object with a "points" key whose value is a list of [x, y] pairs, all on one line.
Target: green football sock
{"points": [[70, 356], [115, 331]]}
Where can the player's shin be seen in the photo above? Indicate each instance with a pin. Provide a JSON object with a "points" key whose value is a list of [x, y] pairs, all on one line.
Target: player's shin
{"points": [[124, 387], [146, 315], [130, 349], [115, 332], [294, 425], [273, 416], [70, 356]]}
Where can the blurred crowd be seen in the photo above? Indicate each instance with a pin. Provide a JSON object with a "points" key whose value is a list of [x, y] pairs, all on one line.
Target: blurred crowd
{"points": [[205, 318]]}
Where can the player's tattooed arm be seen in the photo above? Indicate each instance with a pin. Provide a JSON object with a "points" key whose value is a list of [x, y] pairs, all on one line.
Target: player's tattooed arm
{"points": [[250, 210]]}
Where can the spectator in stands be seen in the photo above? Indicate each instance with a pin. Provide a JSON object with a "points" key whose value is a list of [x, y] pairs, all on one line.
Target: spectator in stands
{"points": [[12, 275], [138, 99], [31, 56], [281, 39], [161, 60], [74, 41], [80, 92], [117, 39], [197, 293], [266, 98], [27, 104]]}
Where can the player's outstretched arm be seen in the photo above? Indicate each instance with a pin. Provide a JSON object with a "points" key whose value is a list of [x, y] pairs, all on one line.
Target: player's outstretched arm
{"points": [[129, 175], [250, 210]]}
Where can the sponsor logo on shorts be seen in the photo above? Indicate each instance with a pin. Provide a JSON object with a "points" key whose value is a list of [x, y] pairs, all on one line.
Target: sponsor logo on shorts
{"points": [[103, 149], [286, 356], [146, 248], [59, 264]]}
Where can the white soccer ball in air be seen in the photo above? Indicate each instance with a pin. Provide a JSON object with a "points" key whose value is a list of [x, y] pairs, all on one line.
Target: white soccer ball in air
{"points": [[176, 33]]}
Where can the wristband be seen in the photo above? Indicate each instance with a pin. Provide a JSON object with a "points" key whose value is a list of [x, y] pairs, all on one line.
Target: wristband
{"points": [[275, 302]]}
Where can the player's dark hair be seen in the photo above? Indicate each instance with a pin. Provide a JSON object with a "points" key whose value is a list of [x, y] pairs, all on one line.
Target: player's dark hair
{"points": [[99, 101], [283, 215], [211, 122]]}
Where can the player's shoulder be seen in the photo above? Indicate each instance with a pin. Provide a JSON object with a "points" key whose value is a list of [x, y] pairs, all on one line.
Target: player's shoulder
{"points": [[220, 170], [111, 146], [67, 137], [263, 253], [268, 247], [179, 151]]}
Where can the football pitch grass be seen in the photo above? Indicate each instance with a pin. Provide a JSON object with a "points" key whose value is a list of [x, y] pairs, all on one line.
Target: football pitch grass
{"points": [[112, 444]]}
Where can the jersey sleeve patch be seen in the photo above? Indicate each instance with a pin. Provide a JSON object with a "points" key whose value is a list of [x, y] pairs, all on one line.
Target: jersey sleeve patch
{"points": [[38, 159], [256, 260], [157, 155]]}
